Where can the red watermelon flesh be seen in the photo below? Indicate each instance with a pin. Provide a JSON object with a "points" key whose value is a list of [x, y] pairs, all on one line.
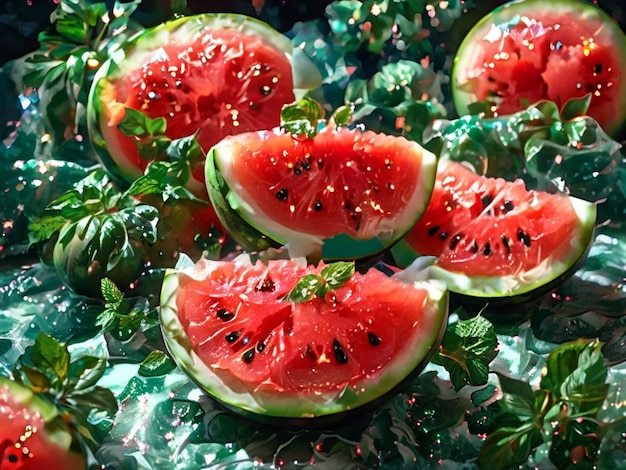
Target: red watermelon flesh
{"points": [[491, 227], [341, 181], [216, 75], [25, 441], [238, 322], [526, 51]]}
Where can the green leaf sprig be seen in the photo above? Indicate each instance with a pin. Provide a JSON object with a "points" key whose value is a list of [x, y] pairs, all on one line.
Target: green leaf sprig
{"points": [[120, 318], [81, 37], [331, 277], [68, 381], [563, 414], [467, 349]]}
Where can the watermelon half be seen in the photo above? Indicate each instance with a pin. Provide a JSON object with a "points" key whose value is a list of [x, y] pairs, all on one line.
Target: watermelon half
{"points": [[531, 50], [494, 238], [306, 364], [343, 194], [214, 74]]}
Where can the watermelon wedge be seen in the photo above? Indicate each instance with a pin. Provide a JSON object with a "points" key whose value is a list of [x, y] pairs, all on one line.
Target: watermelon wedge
{"points": [[342, 194], [211, 75], [494, 238], [308, 363]]}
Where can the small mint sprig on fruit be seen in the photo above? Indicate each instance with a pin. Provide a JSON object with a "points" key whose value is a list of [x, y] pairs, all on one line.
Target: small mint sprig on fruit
{"points": [[331, 277], [305, 117]]}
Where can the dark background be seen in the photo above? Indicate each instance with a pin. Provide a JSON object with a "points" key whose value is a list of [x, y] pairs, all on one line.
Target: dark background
{"points": [[21, 20]]}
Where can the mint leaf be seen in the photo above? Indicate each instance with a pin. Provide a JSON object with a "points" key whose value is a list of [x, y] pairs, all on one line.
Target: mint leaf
{"points": [[337, 274], [301, 119], [137, 124], [467, 348], [306, 288], [119, 318], [576, 373], [332, 276], [155, 364]]}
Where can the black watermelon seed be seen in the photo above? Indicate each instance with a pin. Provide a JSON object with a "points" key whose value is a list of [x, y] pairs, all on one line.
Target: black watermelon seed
{"points": [[282, 194], [523, 237], [317, 206], [233, 336], [225, 315], [487, 249], [433, 230], [455, 240], [265, 90], [306, 166], [261, 345], [320, 163], [486, 199], [340, 353], [266, 285], [297, 169], [474, 248], [508, 206], [373, 339], [598, 68], [443, 235], [505, 242], [248, 356]]}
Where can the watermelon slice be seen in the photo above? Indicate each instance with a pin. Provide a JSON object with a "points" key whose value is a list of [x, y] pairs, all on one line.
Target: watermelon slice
{"points": [[496, 239], [526, 51], [303, 363], [33, 436], [342, 194], [214, 74]]}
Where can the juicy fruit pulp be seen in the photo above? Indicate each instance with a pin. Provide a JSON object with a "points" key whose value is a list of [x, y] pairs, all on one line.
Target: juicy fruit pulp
{"points": [[499, 233], [527, 51], [228, 325], [215, 75], [307, 193], [24, 441]]}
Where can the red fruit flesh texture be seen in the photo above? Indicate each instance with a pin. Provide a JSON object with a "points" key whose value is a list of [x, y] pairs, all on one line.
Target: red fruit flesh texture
{"points": [[338, 182], [24, 444], [296, 346], [222, 84], [491, 227], [550, 55]]}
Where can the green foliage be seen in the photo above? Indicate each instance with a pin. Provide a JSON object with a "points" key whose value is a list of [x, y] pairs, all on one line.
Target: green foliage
{"points": [[382, 58], [467, 349], [120, 318], [562, 414], [69, 381], [81, 37], [550, 149]]}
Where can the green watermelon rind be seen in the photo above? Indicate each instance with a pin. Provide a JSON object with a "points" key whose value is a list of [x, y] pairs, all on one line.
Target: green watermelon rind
{"points": [[227, 197], [133, 52], [241, 231], [509, 11], [509, 288], [265, 402]]}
